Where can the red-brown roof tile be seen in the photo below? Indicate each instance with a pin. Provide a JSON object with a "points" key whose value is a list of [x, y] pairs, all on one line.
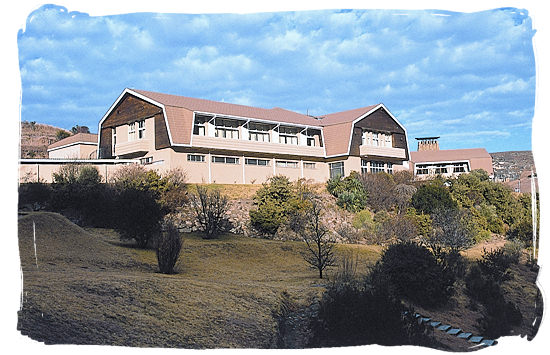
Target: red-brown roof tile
{"points": [[79, 137]]}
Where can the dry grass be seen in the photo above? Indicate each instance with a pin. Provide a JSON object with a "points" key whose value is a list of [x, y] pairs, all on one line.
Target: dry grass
{"points": [[89, 288]]}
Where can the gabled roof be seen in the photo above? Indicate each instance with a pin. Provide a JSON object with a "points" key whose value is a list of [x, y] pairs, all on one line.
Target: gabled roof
{"points": [[276, 114], [430, 156], [345, 116], [79, 138]]}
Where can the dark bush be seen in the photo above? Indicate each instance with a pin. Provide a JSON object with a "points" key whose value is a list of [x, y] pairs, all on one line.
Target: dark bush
{"points": [[168, 248], [380, 190], [36, 194], [496, 264], [138, 216], [352, 314], [210, 207], [349, 192], [411, 272]]}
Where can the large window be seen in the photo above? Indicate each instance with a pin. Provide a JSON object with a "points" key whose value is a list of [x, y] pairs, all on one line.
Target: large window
{"points": [[336, 169], [375, 139], [364, 166], [195, 157], [225, 160], [387, 139], [200, 126], [376, 167], [286, 164], [390, 168], [260, 162], [258, 132], [460, 167], [141, 129], [226, 128], [308, 165], [132, 131], [422, 169], [441, 169], [288, 135]]}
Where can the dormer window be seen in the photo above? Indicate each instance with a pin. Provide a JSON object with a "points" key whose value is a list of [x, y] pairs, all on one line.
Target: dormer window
{"points": [[258, 132], [288, 135], [132, 133], [226, 128]]}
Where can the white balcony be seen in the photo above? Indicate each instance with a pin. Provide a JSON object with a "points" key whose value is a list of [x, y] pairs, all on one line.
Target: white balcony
{"points": [[258, 147], [386, 152], [139, 146]]}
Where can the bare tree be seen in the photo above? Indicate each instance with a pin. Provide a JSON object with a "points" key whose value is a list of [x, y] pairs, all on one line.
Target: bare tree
{"points": [[210, 208], [320, 248], [451, 230], [403, 194]]}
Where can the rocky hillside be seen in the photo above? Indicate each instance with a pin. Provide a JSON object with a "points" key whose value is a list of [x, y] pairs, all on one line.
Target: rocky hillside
{"points": [[509, 165], [35, 138]]}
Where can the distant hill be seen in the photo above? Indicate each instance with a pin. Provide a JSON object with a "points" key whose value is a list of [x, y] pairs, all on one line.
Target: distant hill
{"points": [[509, 165], [35, 138]]}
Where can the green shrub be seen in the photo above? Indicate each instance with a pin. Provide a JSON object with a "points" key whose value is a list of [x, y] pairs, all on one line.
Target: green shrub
{"points": [[276, 201], [411, 272], [431, 197], [363, 220], [495, 264], [513, 249], [349, 192], [422, 221], [521, 230]]}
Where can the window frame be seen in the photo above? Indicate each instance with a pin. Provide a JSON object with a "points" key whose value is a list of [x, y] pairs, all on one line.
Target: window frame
{"points": [[333, 167], [196, 158]]}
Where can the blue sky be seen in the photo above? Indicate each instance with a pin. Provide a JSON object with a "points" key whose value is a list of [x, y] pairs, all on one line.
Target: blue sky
{"points": [[467, 77]]}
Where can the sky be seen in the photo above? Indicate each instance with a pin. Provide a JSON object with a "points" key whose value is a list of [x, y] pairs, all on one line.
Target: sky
{"points": [[467, 77]]}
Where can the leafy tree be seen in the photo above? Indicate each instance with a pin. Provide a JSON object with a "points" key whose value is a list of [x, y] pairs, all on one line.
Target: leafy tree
{"points": [[210, 207], [80, 129], [431, 197], [61, 134], [423, 222]]}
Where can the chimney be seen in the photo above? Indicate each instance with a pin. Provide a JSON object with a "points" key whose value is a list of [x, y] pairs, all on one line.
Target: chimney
{"points": [[427, 143]]}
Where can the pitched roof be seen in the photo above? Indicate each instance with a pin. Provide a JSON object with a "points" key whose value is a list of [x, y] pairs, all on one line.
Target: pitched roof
{"points": [[74, 139], [448, 155], [344, 116], [276, 114]]}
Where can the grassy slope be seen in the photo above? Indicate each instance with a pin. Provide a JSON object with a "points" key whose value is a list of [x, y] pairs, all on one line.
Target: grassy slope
{"points": [[90, 289]]}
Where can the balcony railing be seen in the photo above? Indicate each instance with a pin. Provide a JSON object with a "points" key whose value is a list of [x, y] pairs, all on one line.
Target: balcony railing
{"points": [[387, 152], [132, 147], [259, 147]]}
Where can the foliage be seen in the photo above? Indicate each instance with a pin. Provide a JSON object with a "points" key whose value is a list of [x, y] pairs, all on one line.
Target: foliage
{"points": [[431, 197], [350, 313], [398, 228], [168, 248], [34, 193], [411, 272], [380, 190], [61, 134], [513, 249], [422, 222], [403, 177], [402, 195], [138, 215], [363, 220], [276, 201], [349, 192], [210, 207], [452, 229], [495, 264], [80, 129], [522, 230], [320, 248]]}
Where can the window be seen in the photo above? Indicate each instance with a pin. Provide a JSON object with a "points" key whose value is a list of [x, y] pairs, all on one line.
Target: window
{"points": [[258, 132], [141, 129], [336, 169], [132, 131], [286, 164], [288, 135], [375, 139], [441, 169], [147, 160], [390, 168], [364, 166], [376, 167], [225, 160], [114, 140], [422, 169], [388, 140], [199, 129], [226, 128], [261, 162], [460, 167], [308, 165], [195, 158], [311, 141]]}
